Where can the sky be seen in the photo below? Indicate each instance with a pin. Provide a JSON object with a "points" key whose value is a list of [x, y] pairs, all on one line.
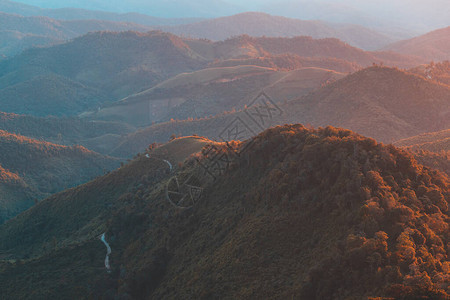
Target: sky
{"points": [[421, 15]]}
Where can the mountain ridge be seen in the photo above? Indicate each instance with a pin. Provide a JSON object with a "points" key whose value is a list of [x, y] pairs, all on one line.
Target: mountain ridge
{"points": [[290, 188]]}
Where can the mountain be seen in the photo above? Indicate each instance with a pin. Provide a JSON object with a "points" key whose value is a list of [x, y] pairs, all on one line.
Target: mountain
{"points": [[97, 199], [99, 136], [168, 8], [84, 14], [32, 170], [400, 17], [92, 69], [261, 24], [433, 46], [20, 32], [212, 91], [308, 47], [383, 103], [431, 141], [252, 47], [300, 222]]}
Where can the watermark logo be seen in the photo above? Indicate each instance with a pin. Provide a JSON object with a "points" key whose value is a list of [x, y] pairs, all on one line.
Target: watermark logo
{"points": [[216, 159], [260, 113], [183, 195], [262, 110]]}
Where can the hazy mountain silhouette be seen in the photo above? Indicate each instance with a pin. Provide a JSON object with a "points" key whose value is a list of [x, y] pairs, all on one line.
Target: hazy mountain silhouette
{"points": [[433, 46], [85, 14], [260, 24], [19, 33], [169, 8]]}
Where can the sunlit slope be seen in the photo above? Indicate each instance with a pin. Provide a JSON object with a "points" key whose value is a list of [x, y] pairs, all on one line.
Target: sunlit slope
{"points": [[80, 212], [212, 91], [433, 141], [433, 46], [261, 24], [383, 103]]}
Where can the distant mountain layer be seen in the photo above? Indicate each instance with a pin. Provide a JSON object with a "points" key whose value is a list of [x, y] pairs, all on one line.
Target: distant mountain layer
{"points": [[102, 67], [31, 170], [260, 24], [84, 14], [19, 33], [170, 8], [252, 47], [90, 70], [300, 213], [433, 46], [383, 103]]}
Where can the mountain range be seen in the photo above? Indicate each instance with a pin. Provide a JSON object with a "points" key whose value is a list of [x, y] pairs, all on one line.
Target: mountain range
{"points": [[19, 33], [260, 24], [68, 13], [402, 17], [383, 103], [244, 156], [92, 69], [211, 91], [102, 67]]}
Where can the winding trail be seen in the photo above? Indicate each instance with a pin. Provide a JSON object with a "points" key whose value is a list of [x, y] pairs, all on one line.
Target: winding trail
{"points": [[164, 160], [108, 252], [168, 162]]}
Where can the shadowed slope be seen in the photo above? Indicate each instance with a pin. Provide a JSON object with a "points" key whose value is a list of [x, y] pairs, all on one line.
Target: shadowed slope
{"points": [[312, 214]]}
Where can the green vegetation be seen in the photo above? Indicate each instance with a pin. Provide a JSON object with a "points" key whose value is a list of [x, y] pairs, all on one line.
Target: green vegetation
{"points": [[304, 213], [31, 170]]}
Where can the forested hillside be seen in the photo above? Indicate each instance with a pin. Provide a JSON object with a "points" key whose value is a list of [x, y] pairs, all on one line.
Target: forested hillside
{"points": [[302, 213], [31, 170]]}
